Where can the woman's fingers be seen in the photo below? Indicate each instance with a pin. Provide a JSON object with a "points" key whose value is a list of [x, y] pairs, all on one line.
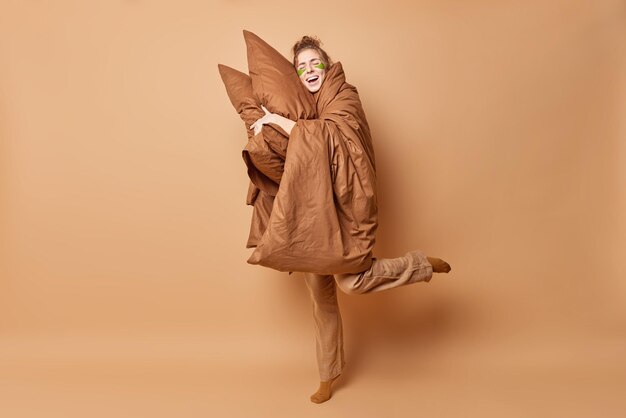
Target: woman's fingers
{"points": [[258, 125]]}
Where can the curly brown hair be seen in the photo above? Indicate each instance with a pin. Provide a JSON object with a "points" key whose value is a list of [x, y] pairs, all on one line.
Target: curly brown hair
{"points": [[310, 42]]}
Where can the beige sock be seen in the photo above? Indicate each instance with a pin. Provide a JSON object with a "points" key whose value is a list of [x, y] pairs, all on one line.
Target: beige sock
{"points": [[439, 266], [324, 392]]}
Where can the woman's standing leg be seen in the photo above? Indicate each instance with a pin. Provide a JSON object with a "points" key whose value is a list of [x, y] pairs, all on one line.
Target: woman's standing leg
{"points": [[328, 332]]}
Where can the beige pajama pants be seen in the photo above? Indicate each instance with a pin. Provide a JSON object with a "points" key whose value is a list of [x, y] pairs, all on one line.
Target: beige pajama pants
{"points": [[383, 274]]}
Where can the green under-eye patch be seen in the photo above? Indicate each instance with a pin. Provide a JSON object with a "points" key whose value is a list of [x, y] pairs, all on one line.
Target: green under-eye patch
{"points": [[301, 71]]}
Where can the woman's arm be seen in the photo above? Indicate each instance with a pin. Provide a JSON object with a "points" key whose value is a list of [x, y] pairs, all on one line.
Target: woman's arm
{"points": [[286, 124]]}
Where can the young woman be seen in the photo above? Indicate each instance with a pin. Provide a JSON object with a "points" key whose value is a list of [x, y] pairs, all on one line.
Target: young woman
{"points": [[339, 103]]}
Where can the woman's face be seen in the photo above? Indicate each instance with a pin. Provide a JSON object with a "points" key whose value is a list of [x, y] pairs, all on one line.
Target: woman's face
{"points": [[311, 69]]}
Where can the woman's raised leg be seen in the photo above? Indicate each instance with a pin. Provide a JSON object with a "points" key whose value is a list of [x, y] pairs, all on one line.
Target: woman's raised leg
{"points": [[387, 273]]}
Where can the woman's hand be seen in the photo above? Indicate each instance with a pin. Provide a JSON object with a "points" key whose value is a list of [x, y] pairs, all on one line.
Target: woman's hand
{"points": [[283, 122], [267, 118]]}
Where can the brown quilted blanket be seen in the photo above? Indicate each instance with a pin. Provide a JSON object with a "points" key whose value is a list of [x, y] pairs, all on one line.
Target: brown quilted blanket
{"points": [[323, 218]]}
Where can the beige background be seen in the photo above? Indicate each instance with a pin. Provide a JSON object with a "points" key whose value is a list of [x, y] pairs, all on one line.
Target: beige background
{"points": [[500, 135]]}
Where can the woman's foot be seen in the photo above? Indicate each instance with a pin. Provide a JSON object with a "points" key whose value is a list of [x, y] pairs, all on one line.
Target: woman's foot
{"points": [[324, 392], [439, 266]]}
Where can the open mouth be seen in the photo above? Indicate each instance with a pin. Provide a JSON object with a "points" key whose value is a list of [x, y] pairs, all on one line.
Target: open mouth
{"points": [[312, 79]]}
